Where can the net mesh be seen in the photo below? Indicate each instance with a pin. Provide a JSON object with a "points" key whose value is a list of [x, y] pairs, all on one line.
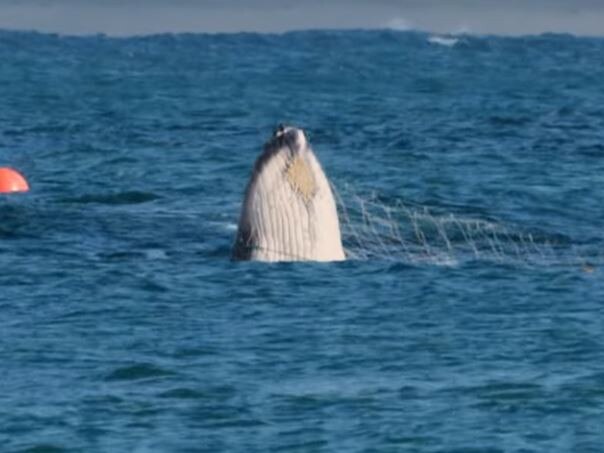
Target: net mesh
{"points": [[391, 229]]}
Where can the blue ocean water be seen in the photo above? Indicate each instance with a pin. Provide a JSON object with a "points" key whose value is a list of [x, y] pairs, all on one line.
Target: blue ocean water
{"points": [[470, 175]]}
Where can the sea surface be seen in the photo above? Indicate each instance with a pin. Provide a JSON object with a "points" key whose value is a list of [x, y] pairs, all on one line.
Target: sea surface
{"points": [[469, 317]]}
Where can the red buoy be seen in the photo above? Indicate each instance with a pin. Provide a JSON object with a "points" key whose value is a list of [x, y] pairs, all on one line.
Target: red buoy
{"points": [[12, 181]]}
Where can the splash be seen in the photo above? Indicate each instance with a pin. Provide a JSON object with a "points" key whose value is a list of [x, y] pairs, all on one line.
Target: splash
{"points": [[399, 24], [443, 41], [373, 227]]}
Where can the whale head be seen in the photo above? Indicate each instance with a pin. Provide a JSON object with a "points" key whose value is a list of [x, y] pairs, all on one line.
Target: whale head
{"points": [[289, 136], [288, 212]]}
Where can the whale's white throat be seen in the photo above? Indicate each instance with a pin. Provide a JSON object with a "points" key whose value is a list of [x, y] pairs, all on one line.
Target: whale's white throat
{"points": [[288, 212]]}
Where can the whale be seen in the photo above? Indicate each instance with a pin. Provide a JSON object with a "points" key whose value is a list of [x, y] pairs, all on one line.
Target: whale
{"points": [[288, 211]]}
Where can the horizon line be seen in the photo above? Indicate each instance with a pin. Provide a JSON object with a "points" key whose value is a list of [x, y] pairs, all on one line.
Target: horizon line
{"points": [[456, 34]]}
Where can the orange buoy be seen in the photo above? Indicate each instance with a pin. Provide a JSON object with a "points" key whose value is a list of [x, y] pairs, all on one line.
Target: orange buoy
{"points": [[12, 181]]}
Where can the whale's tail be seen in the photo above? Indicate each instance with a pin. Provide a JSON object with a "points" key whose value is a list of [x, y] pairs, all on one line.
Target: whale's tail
{"points": [[288, 212]]}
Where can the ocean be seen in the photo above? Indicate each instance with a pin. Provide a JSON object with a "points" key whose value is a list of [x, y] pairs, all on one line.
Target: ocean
{"points": [[468, 172]]}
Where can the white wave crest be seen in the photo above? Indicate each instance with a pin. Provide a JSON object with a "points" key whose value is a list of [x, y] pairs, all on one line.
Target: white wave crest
{"points": [[443, 40], [399, 24]]}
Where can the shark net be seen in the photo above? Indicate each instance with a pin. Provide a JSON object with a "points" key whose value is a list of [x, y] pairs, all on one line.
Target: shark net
{"points": [[373, 227]]}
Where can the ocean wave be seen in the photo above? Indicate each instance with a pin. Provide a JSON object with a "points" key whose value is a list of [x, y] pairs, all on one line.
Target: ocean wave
{"points": [[443, 40], [119, 198]]}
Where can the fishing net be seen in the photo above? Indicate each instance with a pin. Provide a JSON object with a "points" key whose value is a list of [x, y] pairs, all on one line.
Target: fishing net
{"points": [[374, 227]]}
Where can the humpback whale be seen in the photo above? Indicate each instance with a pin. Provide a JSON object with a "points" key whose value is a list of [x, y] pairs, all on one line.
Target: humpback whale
{"points": [[288, 211]]}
